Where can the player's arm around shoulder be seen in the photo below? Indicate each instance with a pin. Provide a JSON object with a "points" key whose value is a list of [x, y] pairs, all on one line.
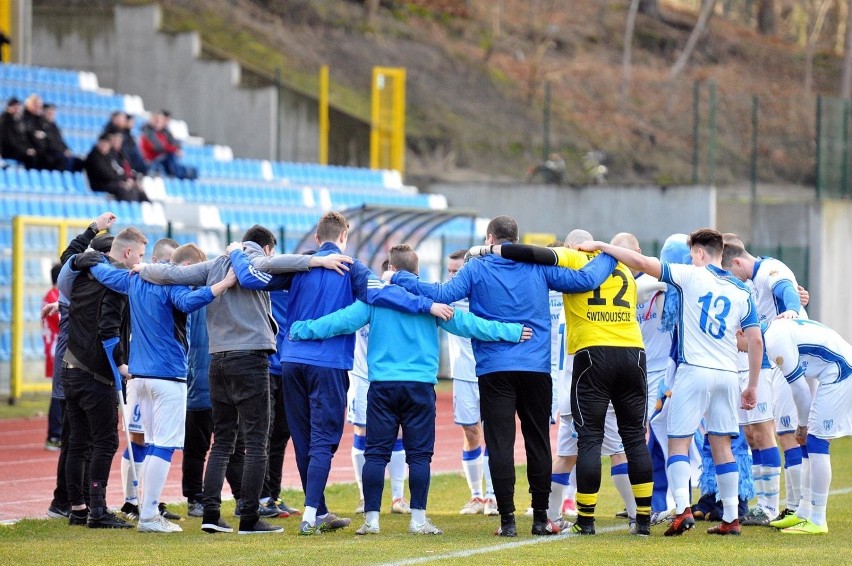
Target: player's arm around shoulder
{"points": [[344, 321], [117, 280], [469, 325]]}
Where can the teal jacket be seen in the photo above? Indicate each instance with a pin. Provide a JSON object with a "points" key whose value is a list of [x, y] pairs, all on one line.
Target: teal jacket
{"points": [[402, 346]]}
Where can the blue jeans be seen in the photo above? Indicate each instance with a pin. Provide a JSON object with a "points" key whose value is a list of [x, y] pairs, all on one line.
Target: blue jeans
{"points": [[315, 400], [391, 405], [239, 391]]}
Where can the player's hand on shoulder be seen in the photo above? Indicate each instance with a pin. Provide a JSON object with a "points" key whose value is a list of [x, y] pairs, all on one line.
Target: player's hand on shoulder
{"points": [[230, 278], [387, 275], [590, 246], [526, 334], [442, 311], [336, 262], [139, 267], [233, 246], [788, 314], [804, 296], [479, 251], [87, 260]]}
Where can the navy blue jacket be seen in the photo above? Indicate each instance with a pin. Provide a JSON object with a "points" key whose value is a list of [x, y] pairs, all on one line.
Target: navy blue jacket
{"points": [[198, 359], [280, 300]]}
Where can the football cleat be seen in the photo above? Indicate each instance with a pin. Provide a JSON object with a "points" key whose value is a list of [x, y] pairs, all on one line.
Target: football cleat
{"points": [[681, 523], [725, 528], [806, 528]]}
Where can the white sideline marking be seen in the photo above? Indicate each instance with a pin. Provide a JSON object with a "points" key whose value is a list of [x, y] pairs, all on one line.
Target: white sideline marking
{"points": [[495, 548], [525, 542]]}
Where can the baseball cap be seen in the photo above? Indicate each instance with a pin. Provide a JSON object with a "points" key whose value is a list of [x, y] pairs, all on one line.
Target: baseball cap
{"points": [[102, 243]]}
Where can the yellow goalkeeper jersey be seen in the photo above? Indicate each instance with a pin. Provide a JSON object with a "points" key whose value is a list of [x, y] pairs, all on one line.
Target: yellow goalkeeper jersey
{"points": [[605, 316]]}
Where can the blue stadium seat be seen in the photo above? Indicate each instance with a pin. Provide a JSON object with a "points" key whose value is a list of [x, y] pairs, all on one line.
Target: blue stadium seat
{"points": [[5, 345]]}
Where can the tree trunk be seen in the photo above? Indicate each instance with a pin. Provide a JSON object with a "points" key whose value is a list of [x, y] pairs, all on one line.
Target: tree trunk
{"points": [[371, 7], [766, 17], [697, 32], [813, 35], [846, 84], [626, 65]]}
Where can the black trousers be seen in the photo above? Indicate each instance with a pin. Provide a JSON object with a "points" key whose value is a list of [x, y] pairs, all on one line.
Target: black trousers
{"points": [[502, 395], [604, 374], [92, 418], [196, 444], [279, 436], [239, 391]]}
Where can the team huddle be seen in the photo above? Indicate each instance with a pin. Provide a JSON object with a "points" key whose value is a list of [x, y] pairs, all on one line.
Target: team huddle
{"points": [[634, 357]]}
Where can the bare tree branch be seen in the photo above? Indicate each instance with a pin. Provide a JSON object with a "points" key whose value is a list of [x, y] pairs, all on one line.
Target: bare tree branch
{"points": [[697, 32], [626, 65]]}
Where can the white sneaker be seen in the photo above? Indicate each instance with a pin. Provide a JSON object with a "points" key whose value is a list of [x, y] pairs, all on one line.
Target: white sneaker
{"points": [[360, 508], [661, 516], [401, 506], [490, 507], [426, 528], [157, 524], [475, 506], [367, 529], [564, 525]]}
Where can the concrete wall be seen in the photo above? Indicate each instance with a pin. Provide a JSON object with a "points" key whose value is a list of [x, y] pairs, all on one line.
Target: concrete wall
{"points": [[651, 213], [128, 53], [831, 268]]}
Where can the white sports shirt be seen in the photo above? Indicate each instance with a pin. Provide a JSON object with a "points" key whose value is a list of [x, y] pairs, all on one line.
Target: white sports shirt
{"points": [[359, 363], [713, 306], [462, 364], [649, 313], [768, 273], [802, 347]]}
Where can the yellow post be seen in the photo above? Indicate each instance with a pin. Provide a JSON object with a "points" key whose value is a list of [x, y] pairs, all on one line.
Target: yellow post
{"points": [[19, 223], [375, 119], [323, 115], [6, 25], [387, 132], [398, 151], [17, 361]]}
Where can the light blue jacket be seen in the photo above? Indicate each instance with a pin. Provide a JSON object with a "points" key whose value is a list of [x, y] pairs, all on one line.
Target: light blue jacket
{"points": [[402, 346], [501, 289]]}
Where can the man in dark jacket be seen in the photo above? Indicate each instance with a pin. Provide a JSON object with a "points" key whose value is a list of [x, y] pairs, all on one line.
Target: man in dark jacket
{"points": [[106, 173], [59, 506], [96, 314], [14, 142], [57, 155]]}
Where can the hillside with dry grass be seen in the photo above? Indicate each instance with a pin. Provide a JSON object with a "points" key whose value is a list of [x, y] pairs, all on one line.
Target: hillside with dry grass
{"points": [[477, 71]]}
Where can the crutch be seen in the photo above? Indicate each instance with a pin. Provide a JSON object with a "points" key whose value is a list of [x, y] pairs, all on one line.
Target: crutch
{"points": [[109, 346]]}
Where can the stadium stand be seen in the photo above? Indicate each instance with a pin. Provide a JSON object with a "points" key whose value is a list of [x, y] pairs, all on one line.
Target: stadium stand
{"points": [[229, 195]]}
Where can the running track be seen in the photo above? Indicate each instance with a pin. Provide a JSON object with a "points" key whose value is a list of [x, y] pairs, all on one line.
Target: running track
{"points": [[28, 471]]}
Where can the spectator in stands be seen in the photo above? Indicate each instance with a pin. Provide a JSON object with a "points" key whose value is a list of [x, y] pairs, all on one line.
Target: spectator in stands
{"points": [[161, 150], [122, 123], [131, 149], [57, 155], [14, 142], [107, 174], [34, 125]]}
